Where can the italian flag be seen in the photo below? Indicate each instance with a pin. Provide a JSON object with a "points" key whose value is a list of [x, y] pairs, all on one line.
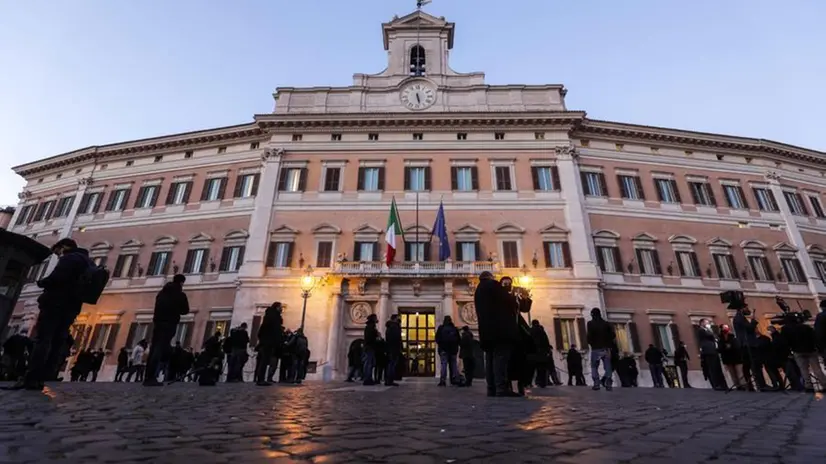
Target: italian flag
{"points": [[394, 228]]}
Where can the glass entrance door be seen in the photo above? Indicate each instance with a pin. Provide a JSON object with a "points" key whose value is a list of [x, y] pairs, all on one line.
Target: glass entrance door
{"points": [[419, 341]]}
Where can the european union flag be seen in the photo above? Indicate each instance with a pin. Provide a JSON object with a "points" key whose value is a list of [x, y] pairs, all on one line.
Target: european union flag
{"points": [[440, 231]]}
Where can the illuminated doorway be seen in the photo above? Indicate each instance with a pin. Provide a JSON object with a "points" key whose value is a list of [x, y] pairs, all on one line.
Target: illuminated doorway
{"points": [[419, 341]]}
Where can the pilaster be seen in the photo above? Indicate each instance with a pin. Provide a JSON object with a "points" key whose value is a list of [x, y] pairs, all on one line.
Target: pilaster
{"points": [[256, 250], [576, 217], [330, 371], [384, 304]]}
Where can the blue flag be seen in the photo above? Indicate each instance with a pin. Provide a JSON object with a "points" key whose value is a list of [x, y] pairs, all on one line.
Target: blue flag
{"points": [[440, 231]]}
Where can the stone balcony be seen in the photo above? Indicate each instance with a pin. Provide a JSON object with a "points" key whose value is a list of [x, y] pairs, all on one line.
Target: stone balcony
{"points": [[414, 269]]}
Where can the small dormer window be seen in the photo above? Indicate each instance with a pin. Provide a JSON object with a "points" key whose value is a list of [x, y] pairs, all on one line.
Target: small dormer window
{"points": [[417, 61]]}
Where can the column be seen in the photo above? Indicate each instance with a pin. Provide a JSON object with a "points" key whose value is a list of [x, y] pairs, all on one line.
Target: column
{"points": [[446, 310], [576, 218], [334, 337], [816, 286], [383, 311], [256, 250], [66, 230]]}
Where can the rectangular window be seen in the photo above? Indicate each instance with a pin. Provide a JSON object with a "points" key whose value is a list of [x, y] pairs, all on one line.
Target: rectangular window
{"points": [[188, 154], [138, 331], [297, 137], [147, 196], [231, 258], [593, 184], [417, 179], [765, 199], [662, 338], [539, 136], [817, 207], [324, 254], [373, 137], [702, 193], [649, 261], [725, 266], [335, 137], [464, 178], [178, 193], [102, 335], [499, 136], [292, 179], [26, 215], [183, 332], [760, 268], [37, 272], [214, 189], [125, 266], [44, 212], [503, 178], [418, 136], [687, 262], [608, 258], [117, 200], [820, 268], [280, 254], [254, 145], [90, 203], [461, 136], [196, 261], [630, 187], [364, 251], [246, 185], [467, 251], [371, 179], [416, 252], [332, 179], [795, 203], [545, 178], [510, 252], [557, 255], [734, 197], [623, 338], [667, 191], [158, 263], [159, 158], [64, 206], [222, 150], [793, 270], [567, 331]]}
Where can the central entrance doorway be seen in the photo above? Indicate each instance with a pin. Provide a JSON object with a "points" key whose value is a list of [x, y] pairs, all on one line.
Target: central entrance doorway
{"points": [[419, 341]]}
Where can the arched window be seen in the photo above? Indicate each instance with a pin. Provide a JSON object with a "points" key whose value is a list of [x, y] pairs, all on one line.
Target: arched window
{"points": [[417, 61]]}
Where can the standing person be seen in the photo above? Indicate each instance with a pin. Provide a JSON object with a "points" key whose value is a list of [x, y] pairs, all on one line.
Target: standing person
{"points": [[371, 336], [574, 361], [60, 303], [601, 337], [123, 364], [136, 362], [393, 341], [269, 341], [801, 339], [300, 355], [498, 333], [239, 340], [731, 356], [543, 353], [97, 364], [170, 304], [681, 359], [655, 359], [447, 341], [466, 353], [785, 361], [710, 356], [745, 329]]}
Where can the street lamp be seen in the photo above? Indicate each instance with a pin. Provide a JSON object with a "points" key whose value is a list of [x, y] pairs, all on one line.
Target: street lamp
{"points": [[308, 283], [526, 282]]}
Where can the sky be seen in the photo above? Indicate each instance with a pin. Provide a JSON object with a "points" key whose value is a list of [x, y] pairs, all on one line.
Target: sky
{"points": [[90, 72]]}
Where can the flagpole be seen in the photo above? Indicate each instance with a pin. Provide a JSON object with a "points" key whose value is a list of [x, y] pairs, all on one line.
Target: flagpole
{"points": [[417, 226]]}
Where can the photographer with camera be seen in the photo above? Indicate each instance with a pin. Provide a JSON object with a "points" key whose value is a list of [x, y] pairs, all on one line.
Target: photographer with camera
{"points": [[745, 328], [801, 339]]}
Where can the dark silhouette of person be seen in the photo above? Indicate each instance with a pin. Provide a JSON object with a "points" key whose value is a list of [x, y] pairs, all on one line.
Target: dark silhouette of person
{"points": [[709, 355], [393, 342], [301, 353], [466, 354], [681, 359], [15, 350], [239, 340], [543, 353], [601, 338], [655, 359], [447, 341], [783, 355], [820, 330], [60, 303], [498, 333], [381, 359], [170, 304], [371, 337], [574, 362], [745, 328], [355, 361], [97, 363], [123, 364], [269, 344]]}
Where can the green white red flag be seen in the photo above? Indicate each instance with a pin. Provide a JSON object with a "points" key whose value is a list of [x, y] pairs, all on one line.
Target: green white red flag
{"points": [[394, 229]]}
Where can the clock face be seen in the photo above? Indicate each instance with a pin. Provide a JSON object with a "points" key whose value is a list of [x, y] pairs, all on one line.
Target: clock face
{"points": [[418, 96]]}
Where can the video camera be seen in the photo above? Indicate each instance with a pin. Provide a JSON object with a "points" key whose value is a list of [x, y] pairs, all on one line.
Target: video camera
{"points": [[789, 316], [735, 300]]}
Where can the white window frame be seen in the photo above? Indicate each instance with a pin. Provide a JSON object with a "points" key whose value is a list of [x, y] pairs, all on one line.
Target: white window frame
{"points": [[461, 179], [740, 203], [510, 164]]}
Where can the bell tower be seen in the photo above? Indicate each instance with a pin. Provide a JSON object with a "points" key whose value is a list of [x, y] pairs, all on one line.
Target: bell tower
{"points": [[418, 45]]}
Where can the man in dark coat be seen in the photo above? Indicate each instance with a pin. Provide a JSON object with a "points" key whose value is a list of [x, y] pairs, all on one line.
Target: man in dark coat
{"points": [[466, 353], [543, 353], [655, 359], [170, 304], [602, 338], [498, 333], [447, 341], [97, 363], [239, 340], [574, 361], [59, 305], [709, 353], [269, 340], [371, 338], [681, 359], [393, 341]]}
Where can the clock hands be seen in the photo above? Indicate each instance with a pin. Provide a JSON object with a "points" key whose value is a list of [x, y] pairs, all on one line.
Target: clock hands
{"points": [[418, 99]]}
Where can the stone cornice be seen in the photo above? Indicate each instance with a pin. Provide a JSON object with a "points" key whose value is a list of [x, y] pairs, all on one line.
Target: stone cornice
{"points": [[633, 133]]}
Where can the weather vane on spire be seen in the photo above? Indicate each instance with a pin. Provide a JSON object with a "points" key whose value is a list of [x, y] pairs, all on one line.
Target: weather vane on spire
{"points": [[421, 3]]}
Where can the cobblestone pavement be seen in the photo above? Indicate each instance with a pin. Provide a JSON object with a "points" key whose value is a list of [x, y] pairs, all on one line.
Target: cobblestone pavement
{"points": [[417, 422]]}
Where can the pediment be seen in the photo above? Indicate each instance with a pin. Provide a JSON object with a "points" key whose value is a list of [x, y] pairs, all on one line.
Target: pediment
{"points": [[753, 244], [238, 233], [366, 229], [719, 242], [605, 233], [284, 230], [509, 228], [411, 230], [553, 229], [325, 228], [202, 237], [166, 240], [100, 246], [783, 246], [644, 237], [468, 229], [685, 239], [815, 248], [416, 19], [132, 243]]}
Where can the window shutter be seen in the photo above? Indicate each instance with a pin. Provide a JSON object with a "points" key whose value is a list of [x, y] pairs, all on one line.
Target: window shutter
{"points": [[187, 191], [583, 178], [603, 185], [618, 259], [224, 259], [694, 187], [656, 339], [657, 188], [84, 203], [408, 255], [141, 197], [583, 333], [290, 255], [426, 251], [635, 337], [799, 200], [754, 190], [222, 188], [130, 338], [302, 180], [696, 264], [41, 210], [113, 337], [375, 248], [427, 178], [676, 190], [361, 178], [156, 191], [190, 327], [695, 329], [555, 178], [150, 270], [256, 324], [772, 200], [209, 330], [675, 335], [459, 256], [381, 178], [743, 197], [600, 259], [238, 184], [282, 179], [270, 255], [655, 256], [679, 264], [799, 269], [546, 249], [133, 266], [95, 335], [357, 251], [190, 255], [166, 262], [110, 202], [241, 251], [48, 210], [624, 193], [535, 177], [204, 262], [566, 255], [474, 178], [118, 271], [478, 252], [558, 333], [640, 189], [638, 253], [407, 178], [98, 200], [769, 268], [454, 178], [170, 195], [710, 190], [734, 269], [256, 179]]}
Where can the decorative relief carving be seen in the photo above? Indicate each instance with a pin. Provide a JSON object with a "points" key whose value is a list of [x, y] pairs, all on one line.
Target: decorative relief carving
{"points": [[272, 154], [772, 175], [360, 311], [24, 195], [566, 152], [87, 181], [468, 313]]}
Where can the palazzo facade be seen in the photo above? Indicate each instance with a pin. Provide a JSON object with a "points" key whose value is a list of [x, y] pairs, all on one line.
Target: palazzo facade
{"points": [[648, 223]]}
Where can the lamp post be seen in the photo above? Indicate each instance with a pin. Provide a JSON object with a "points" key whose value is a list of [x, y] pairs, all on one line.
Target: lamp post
{"points": [[526, 283], [308, 283]]}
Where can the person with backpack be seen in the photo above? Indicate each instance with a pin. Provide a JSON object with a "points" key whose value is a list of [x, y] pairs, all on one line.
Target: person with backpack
{"points": [[170, 304], [447, 340], [65, 290]]}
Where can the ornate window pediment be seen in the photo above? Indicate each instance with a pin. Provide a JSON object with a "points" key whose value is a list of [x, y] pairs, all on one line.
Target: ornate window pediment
{"points": [[719, 242], [366, 233], [644, 237], [166, 240], [100, 249], [606, 238], [131, 245], [784, 247], [682, 240], [236, 237], [423, 231], [467, 233], [509, 228], [201, 238], [753, 244], [553, 232], [326, 229], [816, 249]]}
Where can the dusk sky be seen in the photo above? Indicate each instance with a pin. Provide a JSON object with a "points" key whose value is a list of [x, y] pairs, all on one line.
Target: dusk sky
{"points": [[86, 72]]}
